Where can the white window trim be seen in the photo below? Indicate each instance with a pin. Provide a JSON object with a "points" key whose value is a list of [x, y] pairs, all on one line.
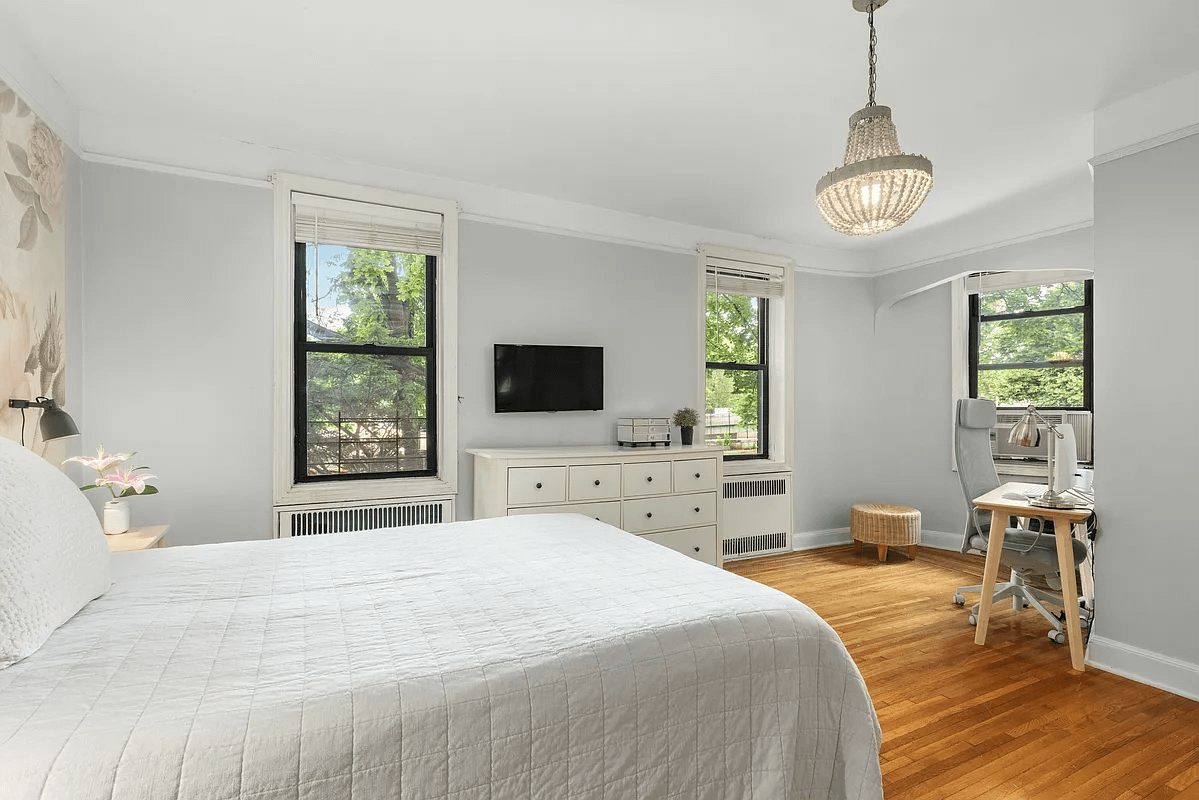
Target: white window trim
{"points": [[285, 489], [959, 315], [781, 355]]}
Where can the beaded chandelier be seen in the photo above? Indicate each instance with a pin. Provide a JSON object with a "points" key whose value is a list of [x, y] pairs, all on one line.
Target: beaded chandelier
{"points": [[879, 187]]}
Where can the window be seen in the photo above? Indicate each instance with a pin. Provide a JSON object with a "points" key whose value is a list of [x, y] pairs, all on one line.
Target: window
{"points": [[365, 396], [1032, 345], [739, 345], [366, 356]]}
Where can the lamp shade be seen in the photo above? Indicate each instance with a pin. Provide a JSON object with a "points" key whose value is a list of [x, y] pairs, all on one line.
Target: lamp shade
{"points": [[1025, 433], [56, 423]]}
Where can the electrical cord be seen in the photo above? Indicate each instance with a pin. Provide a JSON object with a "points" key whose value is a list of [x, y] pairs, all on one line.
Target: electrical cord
{"points": [[22, 426]]}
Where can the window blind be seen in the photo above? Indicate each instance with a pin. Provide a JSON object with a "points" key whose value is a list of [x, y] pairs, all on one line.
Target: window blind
{"points": [[330, 220], [981, 283], [742, 277]]}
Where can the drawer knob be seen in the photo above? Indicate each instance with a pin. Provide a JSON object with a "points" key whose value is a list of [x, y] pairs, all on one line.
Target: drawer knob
{"points": [[539, 486], [697, 474], [697, 549], [648, 514], [597, 483], [697, 509], [649, 479]]}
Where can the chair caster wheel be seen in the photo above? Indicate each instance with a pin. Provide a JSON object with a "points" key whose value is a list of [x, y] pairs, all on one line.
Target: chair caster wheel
{"points": [[1057, 636], [959, 599], [973, 620]]}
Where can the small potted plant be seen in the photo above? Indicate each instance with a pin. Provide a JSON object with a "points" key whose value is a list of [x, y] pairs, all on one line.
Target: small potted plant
{"points": [[686, 419], [120, 482]]}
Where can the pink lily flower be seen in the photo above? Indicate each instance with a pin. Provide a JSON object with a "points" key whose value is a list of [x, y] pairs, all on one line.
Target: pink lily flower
{"points": [[125, 479], [101, 462]]}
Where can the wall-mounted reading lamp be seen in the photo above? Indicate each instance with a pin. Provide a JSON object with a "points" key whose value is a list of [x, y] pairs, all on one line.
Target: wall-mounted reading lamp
{"points": [[54, 424]]}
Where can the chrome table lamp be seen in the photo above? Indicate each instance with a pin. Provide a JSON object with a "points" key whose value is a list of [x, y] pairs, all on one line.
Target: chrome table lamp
{"points": [[1025, 433]]}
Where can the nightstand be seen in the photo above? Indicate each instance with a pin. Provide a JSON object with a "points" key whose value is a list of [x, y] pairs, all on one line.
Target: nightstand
{"points": [[137, 539]]}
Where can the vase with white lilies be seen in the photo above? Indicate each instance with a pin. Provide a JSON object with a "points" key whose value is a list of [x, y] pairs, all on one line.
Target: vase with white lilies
{"points": [[119, 481]]}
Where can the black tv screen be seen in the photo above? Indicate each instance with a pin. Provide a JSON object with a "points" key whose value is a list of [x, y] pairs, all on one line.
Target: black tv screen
{"points": [[538, 377]]}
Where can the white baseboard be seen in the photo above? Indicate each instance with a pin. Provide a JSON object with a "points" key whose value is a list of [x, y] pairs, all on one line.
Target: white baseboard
{"points": [[1144, 666], [814, 540], [940, 540]]}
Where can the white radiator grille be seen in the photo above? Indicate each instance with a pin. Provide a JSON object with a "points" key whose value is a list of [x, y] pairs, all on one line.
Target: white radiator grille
{"points": [[339, 519], [755, 516], [761, 487], [744, 546]]}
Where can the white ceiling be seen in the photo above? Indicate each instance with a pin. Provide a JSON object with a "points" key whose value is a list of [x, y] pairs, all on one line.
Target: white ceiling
{"points": [[719, 114]]}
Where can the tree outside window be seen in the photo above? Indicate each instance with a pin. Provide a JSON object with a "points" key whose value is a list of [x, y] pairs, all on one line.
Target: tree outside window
{"points": [[737, 374], [1032, 345], [365, 363]]}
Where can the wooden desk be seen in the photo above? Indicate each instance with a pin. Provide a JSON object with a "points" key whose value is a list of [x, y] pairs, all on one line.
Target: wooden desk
{"points": [[1064, 520], [137, 539]]}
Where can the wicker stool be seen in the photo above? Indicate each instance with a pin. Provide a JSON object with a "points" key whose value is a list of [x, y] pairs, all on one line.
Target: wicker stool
{"points": [[886, 526]]}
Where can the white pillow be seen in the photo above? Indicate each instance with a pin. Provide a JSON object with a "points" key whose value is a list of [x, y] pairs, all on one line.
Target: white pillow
{"points": [[53, 556]]}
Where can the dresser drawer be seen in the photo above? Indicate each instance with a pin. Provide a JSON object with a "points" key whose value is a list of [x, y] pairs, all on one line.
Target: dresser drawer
{"points": [[529, 485], [594, 482], [656, 513], [698, 543], [604, 512], [646, 477], [697, 475]]}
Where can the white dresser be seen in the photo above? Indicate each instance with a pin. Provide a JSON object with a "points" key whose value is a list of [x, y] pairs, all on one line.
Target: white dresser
{"points": [[669, 495]]}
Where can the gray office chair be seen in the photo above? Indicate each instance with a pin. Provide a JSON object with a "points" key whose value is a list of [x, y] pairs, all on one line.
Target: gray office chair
{"points": [[1026, 553]]}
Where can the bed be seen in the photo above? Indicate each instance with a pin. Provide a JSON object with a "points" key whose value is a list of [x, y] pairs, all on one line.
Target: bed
{"points": [[528, 657]]}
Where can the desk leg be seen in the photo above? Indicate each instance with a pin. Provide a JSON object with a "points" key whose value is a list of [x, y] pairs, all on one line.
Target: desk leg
{"points": [[1065, 562], [990, 573]]}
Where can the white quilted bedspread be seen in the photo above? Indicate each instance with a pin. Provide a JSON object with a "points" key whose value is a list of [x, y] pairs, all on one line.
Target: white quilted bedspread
{"points": [[531, 657]]}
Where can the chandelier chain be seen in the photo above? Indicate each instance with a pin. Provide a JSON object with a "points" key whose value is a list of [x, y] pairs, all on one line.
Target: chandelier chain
{"points": [[873, 55]]}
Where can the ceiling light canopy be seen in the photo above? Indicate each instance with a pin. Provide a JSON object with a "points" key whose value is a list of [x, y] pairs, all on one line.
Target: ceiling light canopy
{"points": [[879, 187]]}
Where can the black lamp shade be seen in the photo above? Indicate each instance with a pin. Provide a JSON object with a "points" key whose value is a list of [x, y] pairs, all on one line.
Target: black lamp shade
{"points": [[56, 423]]}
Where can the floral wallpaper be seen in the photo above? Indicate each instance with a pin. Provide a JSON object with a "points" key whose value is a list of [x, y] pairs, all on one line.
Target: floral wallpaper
{"points": [[32, 262]]}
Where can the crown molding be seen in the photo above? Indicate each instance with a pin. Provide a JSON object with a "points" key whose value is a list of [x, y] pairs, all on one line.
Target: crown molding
{"points": [[1143, 145], [167, 169], [1029, 237]]}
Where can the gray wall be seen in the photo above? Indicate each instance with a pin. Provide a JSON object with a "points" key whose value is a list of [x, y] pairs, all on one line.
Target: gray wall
{"points": [[178, 322], [834, 447], [909, 411], [1147, 398], [522, 287]]}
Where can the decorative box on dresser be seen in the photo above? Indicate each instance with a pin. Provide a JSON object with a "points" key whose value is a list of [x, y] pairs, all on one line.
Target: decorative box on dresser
{"points": [[668, 495]]}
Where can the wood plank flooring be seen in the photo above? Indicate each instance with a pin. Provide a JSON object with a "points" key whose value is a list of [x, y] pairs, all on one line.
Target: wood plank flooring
{"points": [[1009, 720]]}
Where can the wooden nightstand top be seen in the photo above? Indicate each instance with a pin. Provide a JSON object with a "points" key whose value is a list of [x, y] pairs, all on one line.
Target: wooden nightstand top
{"points": [[137, 539]]}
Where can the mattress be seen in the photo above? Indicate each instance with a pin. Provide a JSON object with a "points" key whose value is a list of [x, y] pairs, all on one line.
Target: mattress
{"points": [[528, 657]]}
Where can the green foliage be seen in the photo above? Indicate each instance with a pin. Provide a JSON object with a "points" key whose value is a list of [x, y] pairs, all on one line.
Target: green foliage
{"points": [[686, 417], [376, 297], [1037, 339], [731, 335]]}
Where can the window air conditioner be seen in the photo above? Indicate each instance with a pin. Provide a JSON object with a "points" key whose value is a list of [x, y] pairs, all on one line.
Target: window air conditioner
{"points": [[1079, 420]]}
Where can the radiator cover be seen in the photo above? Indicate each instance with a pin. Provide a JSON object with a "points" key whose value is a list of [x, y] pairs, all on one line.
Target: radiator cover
{"points": [[344, 517], [756, 514]]}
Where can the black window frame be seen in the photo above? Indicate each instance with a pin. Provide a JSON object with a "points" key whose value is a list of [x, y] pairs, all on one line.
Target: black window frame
{"points": [[301, 347], [1087, 309], [763, 370]]}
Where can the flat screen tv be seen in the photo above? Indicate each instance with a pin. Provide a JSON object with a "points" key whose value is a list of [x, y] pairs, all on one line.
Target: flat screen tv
{"points": [[538, 377]]}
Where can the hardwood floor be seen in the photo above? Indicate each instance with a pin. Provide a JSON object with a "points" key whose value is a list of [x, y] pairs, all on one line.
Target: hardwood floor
{"points": [[1008, 720]]}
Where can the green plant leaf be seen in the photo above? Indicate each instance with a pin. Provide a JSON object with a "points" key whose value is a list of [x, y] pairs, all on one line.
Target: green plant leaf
{"points": [[20, 158], [28, 230], [89, 486], [131, 493]]}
